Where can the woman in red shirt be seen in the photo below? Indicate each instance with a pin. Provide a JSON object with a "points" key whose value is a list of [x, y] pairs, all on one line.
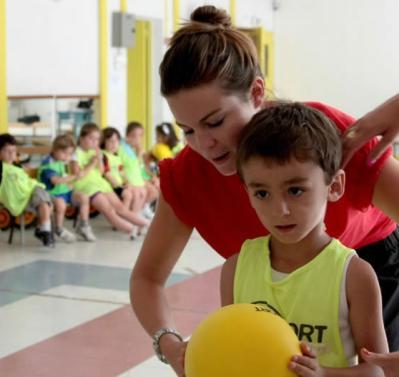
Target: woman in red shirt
{"points": [[212, 82]]}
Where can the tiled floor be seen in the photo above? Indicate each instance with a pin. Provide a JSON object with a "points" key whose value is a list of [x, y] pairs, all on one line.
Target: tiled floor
{"points": [[65, 311]]}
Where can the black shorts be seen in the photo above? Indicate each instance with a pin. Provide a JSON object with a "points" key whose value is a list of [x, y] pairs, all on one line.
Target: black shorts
{"points": [[384, 258]]}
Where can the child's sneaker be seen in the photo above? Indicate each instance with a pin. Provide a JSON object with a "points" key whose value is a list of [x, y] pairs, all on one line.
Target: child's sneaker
{"points": [[45, 236], [86, 232], [66, 235], [147, 212], [134, 233]]}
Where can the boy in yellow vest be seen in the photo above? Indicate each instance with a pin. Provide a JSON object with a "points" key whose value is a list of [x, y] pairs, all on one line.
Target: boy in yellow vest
{"points": [[19, 192], [289, 159]]}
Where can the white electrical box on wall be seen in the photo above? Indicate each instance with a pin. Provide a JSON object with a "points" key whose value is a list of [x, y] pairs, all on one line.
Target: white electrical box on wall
{"points": [[123, 29]]}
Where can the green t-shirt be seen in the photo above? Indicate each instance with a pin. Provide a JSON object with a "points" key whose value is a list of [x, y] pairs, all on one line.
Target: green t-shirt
{"points": [[131, 165], [53, 168]]}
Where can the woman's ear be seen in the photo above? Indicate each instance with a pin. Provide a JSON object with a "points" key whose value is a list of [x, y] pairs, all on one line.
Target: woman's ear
{"points": [[337, 186], [258, 91]]}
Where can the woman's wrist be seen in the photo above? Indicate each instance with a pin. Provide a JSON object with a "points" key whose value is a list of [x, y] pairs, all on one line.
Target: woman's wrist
{"points": [[163, 339]]}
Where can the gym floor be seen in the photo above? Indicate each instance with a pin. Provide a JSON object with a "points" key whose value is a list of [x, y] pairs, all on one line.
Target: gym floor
{"points": [[66, 312]]}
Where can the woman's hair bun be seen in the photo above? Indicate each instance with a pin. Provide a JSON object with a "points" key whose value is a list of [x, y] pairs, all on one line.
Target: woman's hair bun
{"points": [[209, 14]]}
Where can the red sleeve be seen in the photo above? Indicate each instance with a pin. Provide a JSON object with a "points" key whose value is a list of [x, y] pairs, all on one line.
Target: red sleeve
{"points": [[172, 176], [360, 176]]}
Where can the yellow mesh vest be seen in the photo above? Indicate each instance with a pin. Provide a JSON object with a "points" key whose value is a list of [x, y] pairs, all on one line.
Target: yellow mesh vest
{"points": [[93, 182], [115, 162], [16, 188], [308, 298]]}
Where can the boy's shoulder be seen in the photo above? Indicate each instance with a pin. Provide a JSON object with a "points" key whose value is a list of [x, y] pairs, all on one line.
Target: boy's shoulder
{"points": [[127, 150], [47, 160]]}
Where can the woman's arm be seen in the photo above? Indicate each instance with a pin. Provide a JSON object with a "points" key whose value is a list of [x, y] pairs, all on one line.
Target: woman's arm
{"points": [[384, 121], [164, 243], [99, 160], [385, 195], [388, 362]]}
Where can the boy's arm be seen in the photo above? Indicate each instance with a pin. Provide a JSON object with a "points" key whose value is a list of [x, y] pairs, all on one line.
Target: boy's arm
{"points": [[365, 316], [110, 179], [107, 172], [227, 280], [78, 172], [365, 307], [55, 180]]}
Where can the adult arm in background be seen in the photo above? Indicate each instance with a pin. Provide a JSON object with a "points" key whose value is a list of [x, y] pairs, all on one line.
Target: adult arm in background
{"points": [[385, 196], [163, 245], [382, 121]]}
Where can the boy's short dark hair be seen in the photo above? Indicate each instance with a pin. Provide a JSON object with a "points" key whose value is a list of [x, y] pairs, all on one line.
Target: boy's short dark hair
{"points": [[132, 126], [107, 133], [7, 139], [286, 130], [62, 142]]}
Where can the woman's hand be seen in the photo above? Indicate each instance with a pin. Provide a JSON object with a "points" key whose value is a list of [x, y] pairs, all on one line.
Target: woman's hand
{"points": [[388, 362], [306, 365], [383, 121], [174, 350]]}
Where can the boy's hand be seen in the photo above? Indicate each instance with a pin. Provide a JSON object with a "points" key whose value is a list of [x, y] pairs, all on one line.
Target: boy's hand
{"points": [[389, 362], [94, 160], [306, 365], [79, 175]]}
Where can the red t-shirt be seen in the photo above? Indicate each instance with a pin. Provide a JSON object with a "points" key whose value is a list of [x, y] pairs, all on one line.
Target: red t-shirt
{"points": [[219, 208]]}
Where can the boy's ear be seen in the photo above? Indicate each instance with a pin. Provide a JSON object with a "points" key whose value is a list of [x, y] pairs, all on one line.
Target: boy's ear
{"points": [[258, 91], [337, 186]]}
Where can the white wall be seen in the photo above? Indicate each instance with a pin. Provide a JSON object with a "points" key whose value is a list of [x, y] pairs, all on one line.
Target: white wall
{"points": [[117, 91], [52, 47], [255, 13], [341, 52]]}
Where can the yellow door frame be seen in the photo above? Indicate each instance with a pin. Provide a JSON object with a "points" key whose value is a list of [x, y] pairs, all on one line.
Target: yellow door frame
{"points": [[3, 69], [139, 81], [233, 11], [176, 15], [264, 43]]}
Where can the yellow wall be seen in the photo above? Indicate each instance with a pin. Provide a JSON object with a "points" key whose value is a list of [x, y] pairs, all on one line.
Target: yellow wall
{"points": [[139, 96], [233, 11], [264, 42], [176, 14], [3, 69], [123, 6]]}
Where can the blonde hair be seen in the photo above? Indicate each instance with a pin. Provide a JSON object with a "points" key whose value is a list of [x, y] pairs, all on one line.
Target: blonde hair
{"points": [[62, 142]]}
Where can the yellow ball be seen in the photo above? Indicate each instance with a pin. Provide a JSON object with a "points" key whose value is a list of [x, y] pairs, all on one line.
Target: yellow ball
{"points": [[241, 340]]}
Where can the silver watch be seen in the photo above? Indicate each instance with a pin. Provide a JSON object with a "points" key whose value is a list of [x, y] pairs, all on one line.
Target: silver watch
{"points": [[155, 341]]}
